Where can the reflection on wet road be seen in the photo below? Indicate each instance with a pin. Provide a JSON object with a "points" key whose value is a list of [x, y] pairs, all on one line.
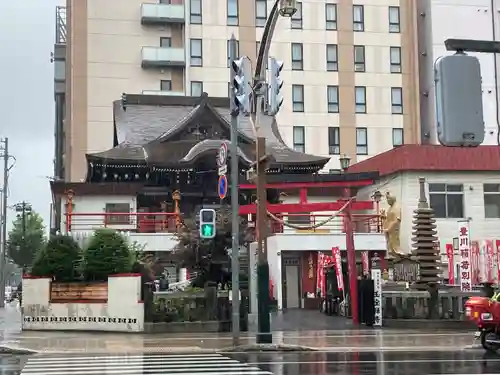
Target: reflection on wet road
{"points": [[462, 362], [375, 363]]}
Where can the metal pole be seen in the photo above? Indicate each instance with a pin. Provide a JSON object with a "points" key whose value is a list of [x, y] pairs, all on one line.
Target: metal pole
{"points": [[5, 189], [351, 261], [264, 335], [233, 153]]}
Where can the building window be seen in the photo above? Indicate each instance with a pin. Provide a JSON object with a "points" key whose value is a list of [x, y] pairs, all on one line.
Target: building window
{"points": [[260, 13], [397, 100], [362, 141], [196, 51], [117, 208], [397, 137], [165, 42], [296, 21], [298, 98], [395, 59], [394, 20], [491, 201], [359, 59], [299, 139], [333, 99], [358, 17], [165, 1], [232, 12], [360, 97], [332, 58], [331, 16], [196, 88], [165, 85], [228, 51], [447, 200], [195, 12], [334, 140], [297, 56]]}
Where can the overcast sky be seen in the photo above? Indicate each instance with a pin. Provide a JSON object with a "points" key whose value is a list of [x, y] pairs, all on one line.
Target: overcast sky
{"points": [[27, 29]]}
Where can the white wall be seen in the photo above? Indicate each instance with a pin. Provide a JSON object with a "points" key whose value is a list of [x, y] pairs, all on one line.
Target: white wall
{"points": [[469, 19], [123, 311], [406, 189]]}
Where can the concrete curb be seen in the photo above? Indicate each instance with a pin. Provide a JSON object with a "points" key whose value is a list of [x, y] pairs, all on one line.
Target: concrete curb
{"points": [[7, 349], [267, 348]]}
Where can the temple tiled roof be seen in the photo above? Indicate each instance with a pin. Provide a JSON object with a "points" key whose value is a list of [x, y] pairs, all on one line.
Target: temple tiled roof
{"points": [[149, 127]]}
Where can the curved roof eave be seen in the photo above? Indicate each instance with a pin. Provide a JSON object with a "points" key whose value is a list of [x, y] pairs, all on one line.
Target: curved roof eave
{"points": [[209, 145]]}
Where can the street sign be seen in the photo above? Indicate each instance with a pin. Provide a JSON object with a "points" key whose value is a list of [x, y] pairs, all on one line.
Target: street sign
{"points": [[222, 186], [223, 170], [222, 155]]}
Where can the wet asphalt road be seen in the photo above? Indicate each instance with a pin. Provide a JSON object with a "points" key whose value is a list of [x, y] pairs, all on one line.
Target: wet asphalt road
{"points": [[310, 363], [375, 363]]}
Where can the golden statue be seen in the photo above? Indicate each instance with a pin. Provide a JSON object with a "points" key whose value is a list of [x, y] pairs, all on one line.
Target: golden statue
{"points": [[391, 224]]}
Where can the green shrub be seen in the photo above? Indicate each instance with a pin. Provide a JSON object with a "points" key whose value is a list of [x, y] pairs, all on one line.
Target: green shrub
{"points": [[107, 254], [58, 259]]}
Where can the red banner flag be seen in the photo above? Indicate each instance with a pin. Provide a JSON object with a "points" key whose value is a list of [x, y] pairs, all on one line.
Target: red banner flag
{"points": [[338, 267], [489, 261], [366, 262], [451, 263], [475, 269]]}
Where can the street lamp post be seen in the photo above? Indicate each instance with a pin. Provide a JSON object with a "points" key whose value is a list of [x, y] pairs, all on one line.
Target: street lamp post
{"points": [[345, 162], [285, 8]]}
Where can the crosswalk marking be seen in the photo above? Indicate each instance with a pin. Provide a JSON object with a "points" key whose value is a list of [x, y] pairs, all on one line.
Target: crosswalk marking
{"points": [[151, 364]]}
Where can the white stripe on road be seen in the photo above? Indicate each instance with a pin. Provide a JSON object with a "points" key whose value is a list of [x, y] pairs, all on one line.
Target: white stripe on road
{"points": [[125, 362], [251, 371], [131, 364], [125, 356], [129, 360], [112, 369]]}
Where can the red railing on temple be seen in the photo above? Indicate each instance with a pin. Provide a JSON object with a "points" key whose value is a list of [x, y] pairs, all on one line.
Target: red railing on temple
{"points": [[167, 222], [142, 222]]}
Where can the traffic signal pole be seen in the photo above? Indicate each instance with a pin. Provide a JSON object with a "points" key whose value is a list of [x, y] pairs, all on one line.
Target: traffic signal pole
{"points": [[235, 218]]}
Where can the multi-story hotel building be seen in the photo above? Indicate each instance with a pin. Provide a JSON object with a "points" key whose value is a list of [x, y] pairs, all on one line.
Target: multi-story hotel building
{"points": [[358, 79]]}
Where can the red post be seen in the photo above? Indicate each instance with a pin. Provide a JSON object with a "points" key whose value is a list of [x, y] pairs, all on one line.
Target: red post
{"points": [[351, 260]]}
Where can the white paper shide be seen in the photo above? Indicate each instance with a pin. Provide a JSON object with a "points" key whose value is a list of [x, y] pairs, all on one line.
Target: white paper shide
{"points": [[377, 296]]}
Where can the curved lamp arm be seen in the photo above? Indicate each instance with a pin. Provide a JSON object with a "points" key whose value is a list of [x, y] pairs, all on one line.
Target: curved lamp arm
{"points": [[265, 43]]}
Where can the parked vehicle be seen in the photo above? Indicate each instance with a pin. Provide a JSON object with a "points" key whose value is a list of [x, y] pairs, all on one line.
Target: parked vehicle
{"points": [[485, 314]]}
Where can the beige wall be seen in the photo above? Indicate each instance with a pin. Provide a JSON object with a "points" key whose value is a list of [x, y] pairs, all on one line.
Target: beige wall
{"points": [[105, 59]]}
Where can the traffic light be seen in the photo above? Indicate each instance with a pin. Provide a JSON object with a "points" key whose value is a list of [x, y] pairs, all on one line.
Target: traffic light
{"points": [[275, 85], [459, 103], [207, 223], [241, 77]]}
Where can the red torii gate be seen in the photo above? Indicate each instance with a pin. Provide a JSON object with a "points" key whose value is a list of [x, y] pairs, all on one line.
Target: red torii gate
{"points": [[304, 206]]}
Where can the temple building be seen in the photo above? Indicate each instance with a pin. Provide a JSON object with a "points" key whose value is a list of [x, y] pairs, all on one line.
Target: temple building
{"points": [[163, 167]]}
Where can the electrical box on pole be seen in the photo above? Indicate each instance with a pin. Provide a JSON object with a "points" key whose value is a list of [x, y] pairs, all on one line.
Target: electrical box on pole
{"points": [[459, 102], [207, 223]]}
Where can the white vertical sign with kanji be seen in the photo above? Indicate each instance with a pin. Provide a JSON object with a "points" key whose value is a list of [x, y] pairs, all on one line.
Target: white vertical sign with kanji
{"points": [[465, 261], [377, 296]]}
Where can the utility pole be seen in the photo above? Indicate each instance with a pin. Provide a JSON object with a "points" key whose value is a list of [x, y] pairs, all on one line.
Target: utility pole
{"points": [[233, 152], [5, 193], [23, 209]]}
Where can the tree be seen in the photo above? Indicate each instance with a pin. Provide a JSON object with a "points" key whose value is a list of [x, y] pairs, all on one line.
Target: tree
{"points": [[26, 238], [107, 253], [60, 258], [210, 257]]}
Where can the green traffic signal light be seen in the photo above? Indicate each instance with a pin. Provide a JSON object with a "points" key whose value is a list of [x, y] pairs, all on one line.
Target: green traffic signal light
{"points": [[207, 230]]}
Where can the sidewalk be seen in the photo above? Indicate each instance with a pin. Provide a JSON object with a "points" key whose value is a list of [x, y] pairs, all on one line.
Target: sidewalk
{"points": [[327, 340]]}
